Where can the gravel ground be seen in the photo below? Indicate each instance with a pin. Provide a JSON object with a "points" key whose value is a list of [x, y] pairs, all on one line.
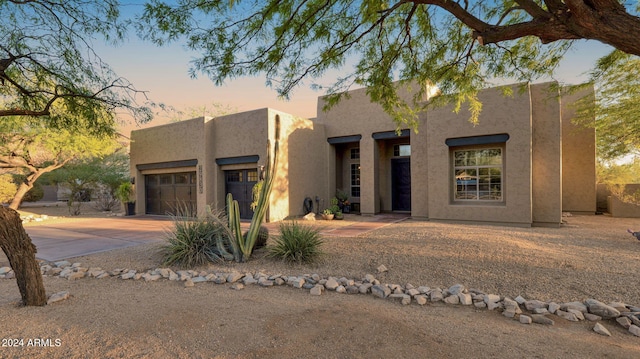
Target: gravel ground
{"points": [[588, 257]]}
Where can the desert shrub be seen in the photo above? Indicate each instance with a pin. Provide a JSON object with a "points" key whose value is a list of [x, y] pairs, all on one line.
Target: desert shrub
{"points": [[296, 243], [196, 241]]}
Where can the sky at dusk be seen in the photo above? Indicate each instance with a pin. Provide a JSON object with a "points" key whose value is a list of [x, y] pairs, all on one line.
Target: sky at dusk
{"points": [[164, 73]]}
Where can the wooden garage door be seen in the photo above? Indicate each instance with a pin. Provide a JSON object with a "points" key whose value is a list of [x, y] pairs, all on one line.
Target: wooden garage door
{"points": [[169, 191]]}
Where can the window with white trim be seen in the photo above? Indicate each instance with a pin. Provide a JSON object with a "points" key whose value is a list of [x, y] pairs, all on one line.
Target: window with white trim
{"points": [[478, 174]]}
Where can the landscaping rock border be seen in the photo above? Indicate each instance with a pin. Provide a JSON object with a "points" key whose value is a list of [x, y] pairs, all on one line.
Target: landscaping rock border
{"points": [[526, 311]]}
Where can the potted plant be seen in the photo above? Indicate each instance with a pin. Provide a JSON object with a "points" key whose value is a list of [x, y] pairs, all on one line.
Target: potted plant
{"points": [[327, 214], [127, 196], [338, 215], [343, 201]]}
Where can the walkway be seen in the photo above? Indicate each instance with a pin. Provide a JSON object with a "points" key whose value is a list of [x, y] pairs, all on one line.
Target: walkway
{"points": [[367, 224]]}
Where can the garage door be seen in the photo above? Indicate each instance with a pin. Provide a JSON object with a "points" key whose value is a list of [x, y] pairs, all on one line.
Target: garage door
{"points": [[240, 184], [170, 191]]}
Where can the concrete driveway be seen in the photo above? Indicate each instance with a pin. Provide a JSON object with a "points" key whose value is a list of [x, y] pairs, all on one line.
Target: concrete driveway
{"points": [[57, 241]]}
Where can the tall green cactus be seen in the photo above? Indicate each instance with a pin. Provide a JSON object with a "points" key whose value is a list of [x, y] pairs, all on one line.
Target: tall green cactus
{"points": [[243, 245]]}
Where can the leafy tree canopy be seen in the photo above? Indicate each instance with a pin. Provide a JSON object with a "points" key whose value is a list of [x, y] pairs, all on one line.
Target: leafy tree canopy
{"points": [[31, 147], [617, 106], [460, 46], [48, 68]]}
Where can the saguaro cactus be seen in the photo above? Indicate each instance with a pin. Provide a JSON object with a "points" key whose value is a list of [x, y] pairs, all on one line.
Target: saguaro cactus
{"points": [[243, 245]]}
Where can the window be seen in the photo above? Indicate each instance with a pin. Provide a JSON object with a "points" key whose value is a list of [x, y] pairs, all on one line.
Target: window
{"points": [[355, 180], [355, 153], [252, 175], [234, 176], [478, 174], [401, 150]]}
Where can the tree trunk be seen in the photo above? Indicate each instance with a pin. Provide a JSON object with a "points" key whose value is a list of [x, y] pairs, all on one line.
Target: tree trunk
{"points": [[21, 252], [22, 191]]}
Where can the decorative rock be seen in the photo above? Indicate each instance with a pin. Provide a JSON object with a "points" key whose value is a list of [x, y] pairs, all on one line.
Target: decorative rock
{"points": [[103, 275], [5, 270], [403, 298], [635, 330], [62, 264], [57, 297], [624, 321], [421, 299], [309, 216], [128, 275], [553, 306], [380, 291], [436, 295], [341, 289], [634, 319], [188, 283], [316, 290], [331, 284], [511, 308], [198, 279], [524, 319], [575, 305], [365, 288], [75, 275], [297, 282], [600, 329], [577, 313], [234, 277], [413, 292], [520, 300], [465, 298], [369, 278], [247, 280], [480, 305], [492, 301], [456, 288], [542, 319], [541, 311], [352, 289], [534, 304], [423, 289], [566, 315], [601, 309], [592, 317], [452, 299], [382, 269]]}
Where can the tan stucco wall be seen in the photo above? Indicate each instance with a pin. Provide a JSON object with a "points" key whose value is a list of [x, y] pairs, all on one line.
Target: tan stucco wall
{"points": [[511, 115], [420, 170], [166, 143], [578, 158], [302, 167], [241, 134], [546, 190]]}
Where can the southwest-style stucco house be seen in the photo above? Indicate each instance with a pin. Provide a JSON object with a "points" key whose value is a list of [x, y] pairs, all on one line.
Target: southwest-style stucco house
{"points": [[523, 164]]}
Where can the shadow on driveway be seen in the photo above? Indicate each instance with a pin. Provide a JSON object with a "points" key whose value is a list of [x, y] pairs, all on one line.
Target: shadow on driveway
{"points": [[60, 241]]}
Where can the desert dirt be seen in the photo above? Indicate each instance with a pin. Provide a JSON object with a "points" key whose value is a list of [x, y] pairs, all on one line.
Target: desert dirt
{"points": [[588, 257]]}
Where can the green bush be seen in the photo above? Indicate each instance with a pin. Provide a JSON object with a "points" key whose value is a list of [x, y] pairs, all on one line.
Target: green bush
{"points": [[195, 241], [8, 188], [296, 243]]}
